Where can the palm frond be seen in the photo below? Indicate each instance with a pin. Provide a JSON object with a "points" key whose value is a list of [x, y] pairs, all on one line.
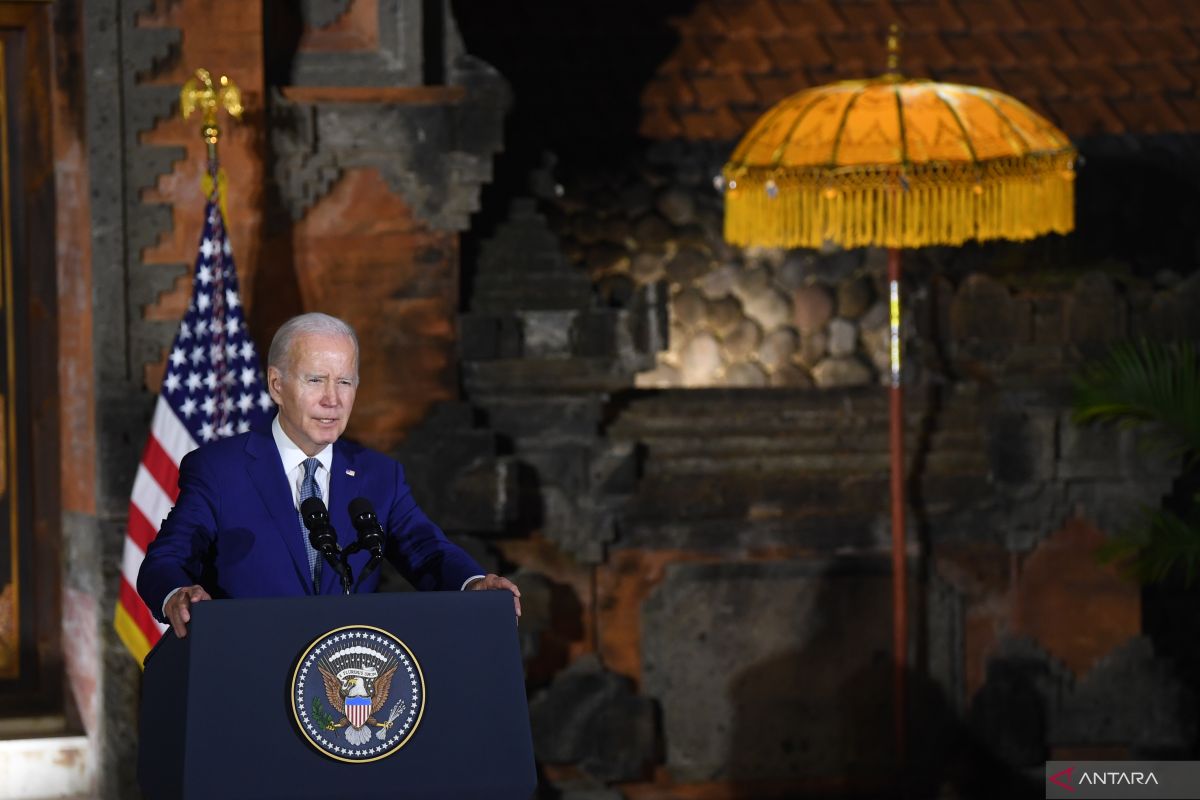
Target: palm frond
{"points": [[1145, 383], [1162, 543]]}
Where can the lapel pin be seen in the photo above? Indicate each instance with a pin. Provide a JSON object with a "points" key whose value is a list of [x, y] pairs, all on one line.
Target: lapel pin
{"points": [[350, 472]]}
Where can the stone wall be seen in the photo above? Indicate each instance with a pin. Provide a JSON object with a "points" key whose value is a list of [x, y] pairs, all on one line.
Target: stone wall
{"points": [[730, 570]]}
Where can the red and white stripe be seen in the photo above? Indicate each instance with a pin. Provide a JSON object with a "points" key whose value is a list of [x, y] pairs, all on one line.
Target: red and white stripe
{"points": [[358, 709], [154, 492]]}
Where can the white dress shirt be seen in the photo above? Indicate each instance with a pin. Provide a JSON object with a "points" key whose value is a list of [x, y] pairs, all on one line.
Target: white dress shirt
{"points": [[293, 459]]}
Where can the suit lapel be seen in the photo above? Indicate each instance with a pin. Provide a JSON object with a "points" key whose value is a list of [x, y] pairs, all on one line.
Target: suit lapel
{"points": [[344, 486], [266, 472]]}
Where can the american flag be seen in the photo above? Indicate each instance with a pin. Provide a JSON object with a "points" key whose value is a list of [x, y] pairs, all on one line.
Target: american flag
{"points": [[212, 388]]}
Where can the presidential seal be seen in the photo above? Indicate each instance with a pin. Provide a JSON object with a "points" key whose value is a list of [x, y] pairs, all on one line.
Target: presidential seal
{"points": [[358, 694]]}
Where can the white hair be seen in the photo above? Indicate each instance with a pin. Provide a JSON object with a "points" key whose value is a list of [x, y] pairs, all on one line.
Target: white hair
{"points": [[313, 322]]}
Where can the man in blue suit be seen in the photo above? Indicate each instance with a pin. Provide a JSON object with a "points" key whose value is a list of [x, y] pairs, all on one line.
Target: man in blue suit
{"points": [[235, 530]]}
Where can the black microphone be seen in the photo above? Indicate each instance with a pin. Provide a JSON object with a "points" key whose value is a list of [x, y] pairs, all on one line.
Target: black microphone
{"points": [[370, 534], [323, 538]]}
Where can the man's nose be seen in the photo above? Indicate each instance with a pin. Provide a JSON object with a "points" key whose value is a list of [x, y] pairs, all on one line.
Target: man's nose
{"points": [[329, 396]]}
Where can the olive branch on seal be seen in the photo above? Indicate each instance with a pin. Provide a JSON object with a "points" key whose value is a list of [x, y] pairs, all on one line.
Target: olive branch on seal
{"points": [[322, 719]]}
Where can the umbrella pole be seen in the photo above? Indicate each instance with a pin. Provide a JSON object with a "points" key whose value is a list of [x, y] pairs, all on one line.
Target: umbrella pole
{"points": [[899, 562]]}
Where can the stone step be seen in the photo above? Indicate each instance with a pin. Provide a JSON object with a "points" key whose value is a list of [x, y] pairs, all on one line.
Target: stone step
{"points": [[662, 445], [745, 495], [45, 767], [768, 411], [801, 465]]}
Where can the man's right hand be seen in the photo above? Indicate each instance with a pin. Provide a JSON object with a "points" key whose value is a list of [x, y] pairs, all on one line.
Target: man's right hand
{"points": [[179, 607]]}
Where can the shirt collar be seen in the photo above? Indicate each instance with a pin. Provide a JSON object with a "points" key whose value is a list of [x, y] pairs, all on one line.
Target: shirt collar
{"points": [[291, 455]]}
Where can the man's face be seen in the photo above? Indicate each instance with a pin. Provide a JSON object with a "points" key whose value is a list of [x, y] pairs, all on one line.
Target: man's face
{"points": [[316, 392]]}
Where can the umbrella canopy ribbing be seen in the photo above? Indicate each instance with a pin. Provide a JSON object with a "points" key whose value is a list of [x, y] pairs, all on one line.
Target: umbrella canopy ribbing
{"points": [[898, 163]]}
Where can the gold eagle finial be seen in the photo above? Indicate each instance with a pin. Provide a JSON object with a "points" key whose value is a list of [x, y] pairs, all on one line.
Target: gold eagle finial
{"points": [[200, 93]]}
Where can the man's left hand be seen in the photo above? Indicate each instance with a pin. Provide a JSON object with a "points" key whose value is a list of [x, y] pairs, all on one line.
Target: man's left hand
{"points": [[490, 581]]}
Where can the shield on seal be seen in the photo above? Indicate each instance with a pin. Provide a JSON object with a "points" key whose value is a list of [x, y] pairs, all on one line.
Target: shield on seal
{"points": [[357, 710]]}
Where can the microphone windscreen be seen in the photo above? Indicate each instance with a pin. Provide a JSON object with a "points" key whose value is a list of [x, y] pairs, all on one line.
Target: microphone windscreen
{"points": [[313, 509], [360, 506]]}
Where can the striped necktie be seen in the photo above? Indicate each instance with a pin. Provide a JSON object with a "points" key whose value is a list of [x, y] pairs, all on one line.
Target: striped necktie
{"points": [[309, 488]]}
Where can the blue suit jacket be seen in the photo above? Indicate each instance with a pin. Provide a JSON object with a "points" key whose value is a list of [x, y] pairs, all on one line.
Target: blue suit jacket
{"points": [[235, 532]]}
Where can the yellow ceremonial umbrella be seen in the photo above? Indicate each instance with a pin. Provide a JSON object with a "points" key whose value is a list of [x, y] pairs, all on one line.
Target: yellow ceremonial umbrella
{"points": [[894, 163]]}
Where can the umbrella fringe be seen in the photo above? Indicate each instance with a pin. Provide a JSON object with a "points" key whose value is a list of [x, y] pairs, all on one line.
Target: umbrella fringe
{"points": [[936, 204]]}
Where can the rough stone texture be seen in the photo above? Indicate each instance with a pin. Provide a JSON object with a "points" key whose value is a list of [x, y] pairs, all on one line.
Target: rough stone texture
{"points": [[454, 467], [797, 693], [777, 349], [1095, 314], [1170, 316], [843, 338], [876, 317], [813, 308], [651, 233], [837, 372], [542, 387], [689, 308], [719, 282], [591, 717], [547, 334], [751, 282], [769, 309], [647, 268], [677, 205], [321, 13], [616, 291], [687, 265], [745, 374], [1133, 697], [522, 268], [796, 269], [740, 343], [854, 297], [616, 229], [606, 257], [724, 316], [392, 32], [877, 344], [586, 227], [425, 153], [813, 348], [701, 358], [790, 375], [1053, 577], [662, 376], [1010, 713], [985, 320]]}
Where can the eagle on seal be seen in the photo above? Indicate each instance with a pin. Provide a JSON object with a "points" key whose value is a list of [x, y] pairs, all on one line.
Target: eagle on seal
{"points": [[342, 694]]}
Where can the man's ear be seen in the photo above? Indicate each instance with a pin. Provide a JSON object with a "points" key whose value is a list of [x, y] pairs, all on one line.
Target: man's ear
{"points": [[274, 379]]}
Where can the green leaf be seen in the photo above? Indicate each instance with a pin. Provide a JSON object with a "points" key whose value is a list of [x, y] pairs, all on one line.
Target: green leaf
{"points": [[1151, 384], [1152, 550], [319, 715]]}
